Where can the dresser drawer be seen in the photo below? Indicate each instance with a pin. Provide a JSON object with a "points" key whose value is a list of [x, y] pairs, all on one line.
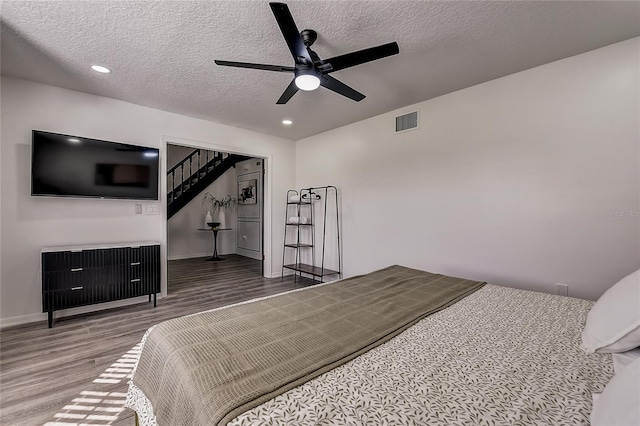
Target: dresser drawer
{"points": [[135, 254], [62, 260], [73, 297], [104, 258], [62, 280], [132, 288], [144, 254]]}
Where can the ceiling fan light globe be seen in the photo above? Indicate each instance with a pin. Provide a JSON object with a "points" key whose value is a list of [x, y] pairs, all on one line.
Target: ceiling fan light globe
{"points": [[307, 82]]}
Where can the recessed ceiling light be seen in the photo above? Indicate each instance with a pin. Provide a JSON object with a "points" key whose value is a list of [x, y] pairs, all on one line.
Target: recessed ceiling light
{"points": [[74, 140], [150, 154], [287, 122], [99, 68]]}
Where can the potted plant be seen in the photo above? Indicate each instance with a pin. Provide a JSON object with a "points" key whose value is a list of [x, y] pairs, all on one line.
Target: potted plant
{"points": [[216, 204]]}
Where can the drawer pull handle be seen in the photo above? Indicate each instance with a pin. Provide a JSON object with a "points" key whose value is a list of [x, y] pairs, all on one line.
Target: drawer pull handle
{"points": [[135, 263], [76, 269], [76, 288], [135, 280]]}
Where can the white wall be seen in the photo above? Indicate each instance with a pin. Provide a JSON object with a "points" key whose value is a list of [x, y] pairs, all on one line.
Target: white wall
{"points": [[30, 223], [525, 181], [177, 153]]}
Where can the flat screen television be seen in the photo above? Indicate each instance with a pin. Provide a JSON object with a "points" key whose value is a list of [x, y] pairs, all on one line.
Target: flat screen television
{"points": [[73, 166]]}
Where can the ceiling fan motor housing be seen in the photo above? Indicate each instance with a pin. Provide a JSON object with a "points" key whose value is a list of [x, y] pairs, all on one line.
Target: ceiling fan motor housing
{"points": [[308, 37]]}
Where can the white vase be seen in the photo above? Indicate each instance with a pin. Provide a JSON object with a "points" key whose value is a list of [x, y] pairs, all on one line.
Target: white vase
{"points": [[221, 218], [207, 220]]}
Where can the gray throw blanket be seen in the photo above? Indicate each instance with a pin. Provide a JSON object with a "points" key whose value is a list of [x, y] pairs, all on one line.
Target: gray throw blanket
{"points": [[208, 368]]}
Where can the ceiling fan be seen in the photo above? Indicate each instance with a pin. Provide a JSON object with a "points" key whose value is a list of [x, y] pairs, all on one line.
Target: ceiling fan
{"points": [[310, 71]]}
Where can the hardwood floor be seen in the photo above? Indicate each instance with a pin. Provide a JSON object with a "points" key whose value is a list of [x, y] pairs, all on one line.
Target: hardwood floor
{"points": [[75, 373]]}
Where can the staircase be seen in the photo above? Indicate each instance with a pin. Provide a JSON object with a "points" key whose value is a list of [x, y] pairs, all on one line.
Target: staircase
{"points": [[187, 179]]}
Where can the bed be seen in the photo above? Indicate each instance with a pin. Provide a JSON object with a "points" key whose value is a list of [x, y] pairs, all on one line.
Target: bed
{"points": [[429, 349]]}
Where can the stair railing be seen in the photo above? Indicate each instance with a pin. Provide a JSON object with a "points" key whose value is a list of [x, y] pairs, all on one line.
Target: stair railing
{"points": [[195, 157]]}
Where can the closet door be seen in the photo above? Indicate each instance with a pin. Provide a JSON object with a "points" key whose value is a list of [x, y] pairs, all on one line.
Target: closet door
{"points": [[250, 174]]}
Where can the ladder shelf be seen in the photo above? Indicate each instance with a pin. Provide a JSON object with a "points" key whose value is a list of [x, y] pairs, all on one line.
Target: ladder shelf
{"points": [[300, 238]]}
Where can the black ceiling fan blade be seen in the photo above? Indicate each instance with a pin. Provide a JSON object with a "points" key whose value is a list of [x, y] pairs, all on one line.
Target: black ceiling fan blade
{"points": [[288, 93], [361, 56], [340, 88], [278, 68], [291, 34]]}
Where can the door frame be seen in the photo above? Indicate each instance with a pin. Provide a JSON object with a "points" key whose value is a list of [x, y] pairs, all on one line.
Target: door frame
{"points": [[267, 191]]}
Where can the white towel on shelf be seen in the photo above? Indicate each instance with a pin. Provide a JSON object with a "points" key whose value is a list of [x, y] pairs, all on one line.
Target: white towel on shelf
{"points": [[303, 219], [294, 219], [294, 199]]}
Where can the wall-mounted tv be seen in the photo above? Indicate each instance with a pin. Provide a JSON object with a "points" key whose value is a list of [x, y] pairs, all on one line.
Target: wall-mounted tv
{"points": [[73, 166]]}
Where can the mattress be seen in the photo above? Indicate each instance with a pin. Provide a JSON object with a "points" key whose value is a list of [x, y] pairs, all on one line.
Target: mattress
{"points": [[498, 356]]}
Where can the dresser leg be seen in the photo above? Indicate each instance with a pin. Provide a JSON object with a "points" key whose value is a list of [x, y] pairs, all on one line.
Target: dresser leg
{"points": [[154, 300], [50, 318]]}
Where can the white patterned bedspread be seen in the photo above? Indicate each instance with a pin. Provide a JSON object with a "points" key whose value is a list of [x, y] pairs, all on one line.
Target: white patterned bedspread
{"points": [[500, 356]]}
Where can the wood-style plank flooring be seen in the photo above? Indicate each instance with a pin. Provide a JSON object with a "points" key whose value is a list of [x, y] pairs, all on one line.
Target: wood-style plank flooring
{"points": [[48, 376]]}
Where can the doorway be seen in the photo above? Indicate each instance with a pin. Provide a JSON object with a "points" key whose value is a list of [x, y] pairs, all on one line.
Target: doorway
{"points": [[243, 234]]}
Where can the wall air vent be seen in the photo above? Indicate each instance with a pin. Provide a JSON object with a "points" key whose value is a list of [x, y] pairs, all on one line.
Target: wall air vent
{"points": [[407, 122]]}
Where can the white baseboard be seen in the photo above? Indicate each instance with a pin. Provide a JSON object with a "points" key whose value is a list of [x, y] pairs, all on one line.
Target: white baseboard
{"points": [[196, 255], [287, 272], [42, 317], [23, 319], [249, 253], [190, 256]]}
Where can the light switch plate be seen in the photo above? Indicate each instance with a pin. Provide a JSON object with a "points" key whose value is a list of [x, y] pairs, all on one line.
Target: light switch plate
{"points": [[138, 208], [152, 209]]}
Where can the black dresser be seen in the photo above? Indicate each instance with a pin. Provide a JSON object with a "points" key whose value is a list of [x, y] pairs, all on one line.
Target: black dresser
{"points": [[85, 275]]}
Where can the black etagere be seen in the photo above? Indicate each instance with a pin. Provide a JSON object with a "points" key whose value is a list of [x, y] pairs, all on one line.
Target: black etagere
{"points": [[310, 259]]}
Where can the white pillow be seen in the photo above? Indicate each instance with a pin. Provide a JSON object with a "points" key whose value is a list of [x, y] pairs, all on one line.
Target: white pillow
{"points": [[619, 403], [613, 323], [622, 359]]}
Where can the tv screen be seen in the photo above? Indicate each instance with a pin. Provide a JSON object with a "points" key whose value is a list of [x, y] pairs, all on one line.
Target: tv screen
{"points": [[73, 166]]}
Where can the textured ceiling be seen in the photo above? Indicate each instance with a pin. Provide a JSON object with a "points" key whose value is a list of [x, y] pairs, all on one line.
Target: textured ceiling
{"points": [[162, 52]]}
